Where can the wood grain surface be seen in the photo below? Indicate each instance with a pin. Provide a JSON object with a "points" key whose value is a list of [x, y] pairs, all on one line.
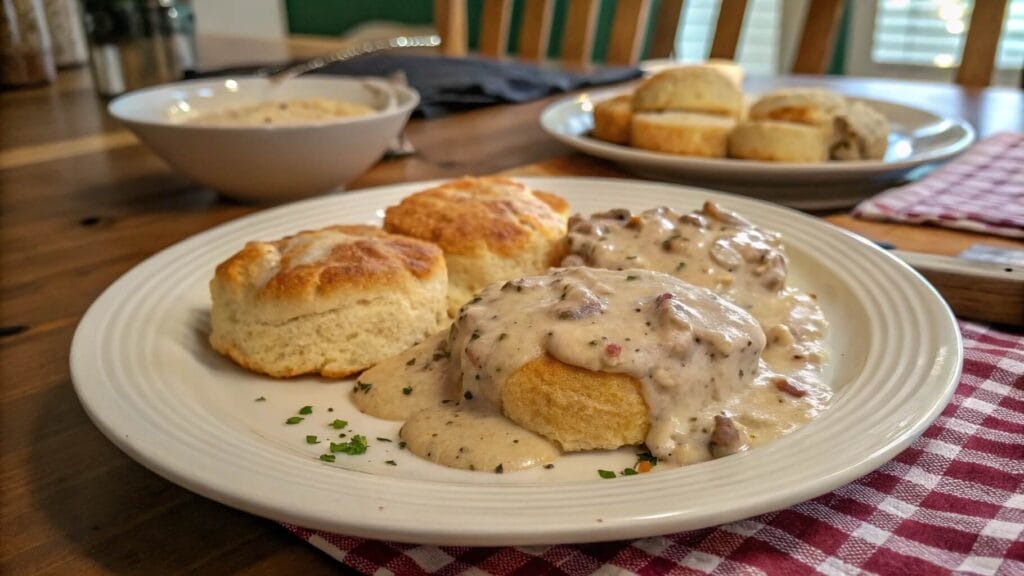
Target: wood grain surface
{"points": [[82, 203]]}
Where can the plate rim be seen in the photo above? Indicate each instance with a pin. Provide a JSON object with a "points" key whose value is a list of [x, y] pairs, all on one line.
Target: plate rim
{"points": [[566, 532], [799, 173]]}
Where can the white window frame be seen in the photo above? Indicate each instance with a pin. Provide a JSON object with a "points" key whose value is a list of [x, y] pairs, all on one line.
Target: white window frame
{"points": [[859, 62]]}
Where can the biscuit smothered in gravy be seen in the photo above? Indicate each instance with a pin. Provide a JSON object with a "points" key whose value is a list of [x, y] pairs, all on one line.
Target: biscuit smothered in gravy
{"points": [[332, 301], [490, 229], [719, 250], [581, 359]]}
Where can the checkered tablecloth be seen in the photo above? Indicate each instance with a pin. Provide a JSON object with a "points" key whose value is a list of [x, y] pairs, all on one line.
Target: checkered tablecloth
{"points": [[951, 503], [982, 191]]}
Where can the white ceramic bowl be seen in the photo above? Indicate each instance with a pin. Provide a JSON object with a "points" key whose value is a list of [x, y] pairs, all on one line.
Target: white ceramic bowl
{"points": [[274, 162]]}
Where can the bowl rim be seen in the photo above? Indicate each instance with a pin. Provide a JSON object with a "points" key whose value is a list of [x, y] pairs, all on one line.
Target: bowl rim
{"points": [[406, 99]]}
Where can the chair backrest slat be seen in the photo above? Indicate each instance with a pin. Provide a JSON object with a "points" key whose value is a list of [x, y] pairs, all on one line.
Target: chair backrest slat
{"points": [[450, 19], [727, 30], [979, 57], [628, 27], [666, 26], [816, 41], [494, 27], [580, 28], [536, 29]]}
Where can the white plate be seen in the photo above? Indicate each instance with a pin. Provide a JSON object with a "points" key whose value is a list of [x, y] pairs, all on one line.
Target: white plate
{"points": [[917, 137], [148, 379]]}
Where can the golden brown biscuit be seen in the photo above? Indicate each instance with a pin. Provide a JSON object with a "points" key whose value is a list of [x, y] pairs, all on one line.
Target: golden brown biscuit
{"points": [[491, 229], [575, 408], [685, 133], [332, 301], [612, 119], [690, 89], [861, 133], [813, 106], [779, 142]]}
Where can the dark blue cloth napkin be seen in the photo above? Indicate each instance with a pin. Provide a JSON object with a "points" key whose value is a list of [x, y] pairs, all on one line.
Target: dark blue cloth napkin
{"points": [[449, 85]]}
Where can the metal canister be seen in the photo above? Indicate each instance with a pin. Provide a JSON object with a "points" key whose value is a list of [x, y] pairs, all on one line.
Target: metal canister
{"points": [[66, 32], [138, 43], [26, 57]]}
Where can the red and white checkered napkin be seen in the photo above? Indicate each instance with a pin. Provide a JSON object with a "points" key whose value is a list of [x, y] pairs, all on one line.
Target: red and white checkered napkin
{"points": [[982, 191], [952, 502]]}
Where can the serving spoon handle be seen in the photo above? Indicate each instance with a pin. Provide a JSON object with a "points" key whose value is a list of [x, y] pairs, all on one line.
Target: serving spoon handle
{"points": [[368, 47]]}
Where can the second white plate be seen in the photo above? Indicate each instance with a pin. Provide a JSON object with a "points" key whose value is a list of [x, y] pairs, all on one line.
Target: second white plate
{"points": [[147, 377], [917, 137]]}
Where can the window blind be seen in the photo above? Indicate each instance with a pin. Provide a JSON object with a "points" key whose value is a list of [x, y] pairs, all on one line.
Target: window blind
{"points": [[932, 33]]}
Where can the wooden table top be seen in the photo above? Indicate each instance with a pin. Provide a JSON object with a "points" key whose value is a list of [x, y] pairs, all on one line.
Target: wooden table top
{"points": [[83, 202]]}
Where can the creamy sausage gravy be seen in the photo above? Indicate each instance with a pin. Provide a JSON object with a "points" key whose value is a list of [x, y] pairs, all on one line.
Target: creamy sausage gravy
{"points": [[698, 359], [718, 250]]}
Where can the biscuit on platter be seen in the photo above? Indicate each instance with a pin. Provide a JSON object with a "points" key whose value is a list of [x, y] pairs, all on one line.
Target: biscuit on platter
{"points": [[779, 142], [612, 119], [861, 133], [490, 229], [690, 89], [331, 302], [813, 106], [731, 69], [684, 133]]}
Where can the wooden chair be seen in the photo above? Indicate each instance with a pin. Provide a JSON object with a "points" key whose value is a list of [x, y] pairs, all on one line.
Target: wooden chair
{"points": [[979, 57], [629, 26], [822, 20], [816, 41]]}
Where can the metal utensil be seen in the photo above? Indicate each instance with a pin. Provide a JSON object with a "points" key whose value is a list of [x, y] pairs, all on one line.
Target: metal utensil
{"points": [[363, 48]]}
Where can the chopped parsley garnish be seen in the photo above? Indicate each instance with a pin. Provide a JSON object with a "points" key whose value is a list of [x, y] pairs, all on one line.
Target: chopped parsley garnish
{"points": [[502, 336], [364, 387], [294, 420], [646, 456], [380, 439], [629, 472], [680, 266], [549, 466], [306, 410], [401, 445], [499, 469], [606, 474], [327, 457], [261, 399], [474, 336], [338, 424], [468, 395], [391, 463], [407, 390], [353, 447], [631, 277], [312, 439]]}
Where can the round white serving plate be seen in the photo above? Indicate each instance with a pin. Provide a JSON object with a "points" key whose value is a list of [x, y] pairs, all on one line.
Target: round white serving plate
{"points": [[917, 137], [146, 376]]}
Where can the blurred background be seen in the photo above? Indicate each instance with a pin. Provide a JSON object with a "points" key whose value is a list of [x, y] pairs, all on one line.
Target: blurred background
{"points": [[887, 38], [910, 39]]}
